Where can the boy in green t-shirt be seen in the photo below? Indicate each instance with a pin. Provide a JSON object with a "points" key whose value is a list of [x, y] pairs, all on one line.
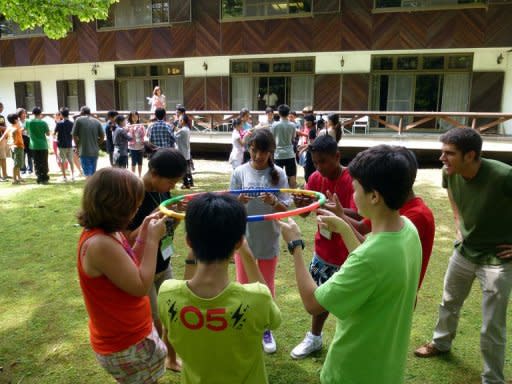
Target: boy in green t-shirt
{"points": [[214, 324], [373, 294]]}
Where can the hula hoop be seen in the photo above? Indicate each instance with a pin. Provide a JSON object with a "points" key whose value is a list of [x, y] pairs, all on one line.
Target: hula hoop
{"points": [[268, 217]]}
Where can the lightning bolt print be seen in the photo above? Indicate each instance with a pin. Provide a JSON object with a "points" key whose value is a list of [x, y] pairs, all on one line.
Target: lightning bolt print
{"points": [[173, 311], [238, 316]]}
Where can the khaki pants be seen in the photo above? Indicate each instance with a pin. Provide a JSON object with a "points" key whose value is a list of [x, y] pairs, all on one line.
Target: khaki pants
{"points": [[496, 283]]}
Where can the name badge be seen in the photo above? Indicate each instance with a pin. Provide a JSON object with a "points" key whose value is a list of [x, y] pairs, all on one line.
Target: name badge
{"points": [[166, 247], [326, 233]]}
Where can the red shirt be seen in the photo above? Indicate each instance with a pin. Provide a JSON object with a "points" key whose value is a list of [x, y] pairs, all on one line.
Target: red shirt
{"points": [[117, 320], [423, 219], [332, 251]]}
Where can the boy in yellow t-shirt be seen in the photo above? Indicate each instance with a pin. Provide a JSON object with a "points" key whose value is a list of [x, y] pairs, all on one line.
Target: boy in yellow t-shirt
{"points": [[215, 324]]}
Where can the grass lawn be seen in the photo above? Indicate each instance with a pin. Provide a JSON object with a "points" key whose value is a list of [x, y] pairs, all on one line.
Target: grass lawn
{"points": [[43, 322]]}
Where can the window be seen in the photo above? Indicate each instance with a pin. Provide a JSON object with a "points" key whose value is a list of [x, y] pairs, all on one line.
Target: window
{"points": [[408, 5], [141, 13], [28, 95], [421, 83], [136, 83], [291, 81], [71, 94], [10, 29], [233, 9]]}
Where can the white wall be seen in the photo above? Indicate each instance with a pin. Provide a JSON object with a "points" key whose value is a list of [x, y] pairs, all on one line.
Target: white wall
{"points": [[48, 76]]}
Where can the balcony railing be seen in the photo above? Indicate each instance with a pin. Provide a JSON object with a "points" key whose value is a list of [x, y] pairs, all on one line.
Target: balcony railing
{"points": [[377, 121]]}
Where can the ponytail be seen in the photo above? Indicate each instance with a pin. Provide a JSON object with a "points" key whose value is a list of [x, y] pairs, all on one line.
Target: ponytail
{"points": [[274, 175], [339, 132]]}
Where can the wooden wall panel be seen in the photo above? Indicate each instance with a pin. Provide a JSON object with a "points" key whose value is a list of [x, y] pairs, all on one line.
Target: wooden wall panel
{"points": [[105, 95], [231, 34], [486, 91], [183, 41], [326, 33], [88, 42], [193, 92], [161, 42], [498, 29], [180, 10], [355, 92], [21, 52], [107, 46], [7, 55], [125, 47], [68, 49], [207, 27], [327, 92], [52, 51], [354, 28], [36, 50], [217, 93], [356, 25]]}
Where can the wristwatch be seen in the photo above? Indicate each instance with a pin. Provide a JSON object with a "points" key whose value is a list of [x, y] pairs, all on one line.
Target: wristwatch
{"points": [[294, 244]]}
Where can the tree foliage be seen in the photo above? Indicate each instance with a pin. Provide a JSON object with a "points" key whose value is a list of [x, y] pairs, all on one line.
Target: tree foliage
{"points": [[54, 16]]}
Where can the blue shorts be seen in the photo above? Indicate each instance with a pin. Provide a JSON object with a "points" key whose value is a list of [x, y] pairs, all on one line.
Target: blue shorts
{"points": [[321, 271], [136, 156], [89, 164]]}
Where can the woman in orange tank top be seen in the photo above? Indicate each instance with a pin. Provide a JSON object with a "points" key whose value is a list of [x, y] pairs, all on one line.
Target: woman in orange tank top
{"points": [[115, 278]]}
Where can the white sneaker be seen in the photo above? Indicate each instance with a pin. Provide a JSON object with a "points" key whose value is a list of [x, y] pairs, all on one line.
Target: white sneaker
{"points": [[310, 344], [269, 344]]}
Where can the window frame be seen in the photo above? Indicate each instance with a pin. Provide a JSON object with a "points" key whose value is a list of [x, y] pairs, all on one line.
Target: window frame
{"points": [[288, 15], [483, 4], [168, 23]]}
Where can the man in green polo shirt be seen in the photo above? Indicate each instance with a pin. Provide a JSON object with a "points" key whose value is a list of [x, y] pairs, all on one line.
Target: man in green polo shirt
{"points": [[480, 193], [38, 130]]}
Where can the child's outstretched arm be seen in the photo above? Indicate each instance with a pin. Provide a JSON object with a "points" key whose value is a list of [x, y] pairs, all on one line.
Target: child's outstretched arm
{"points": [[291, 232], [249, 262]]}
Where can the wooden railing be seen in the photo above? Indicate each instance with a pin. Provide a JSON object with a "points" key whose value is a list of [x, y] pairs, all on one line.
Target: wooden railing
{"points": [[398, 121]]}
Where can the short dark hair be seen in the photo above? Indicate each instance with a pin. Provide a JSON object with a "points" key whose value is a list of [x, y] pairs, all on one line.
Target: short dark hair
{"points": [[283, 110], [168, 162], [36, 111], [269, 110], [119, 119], [186, 120], [465, 139], [160, 113], [214, 225], [12, 117], [85, 110], [112, 113], [310, 118], [111, 197], [324, 144], [384, 169], [64, 111], [412, 160], [181, 108]]}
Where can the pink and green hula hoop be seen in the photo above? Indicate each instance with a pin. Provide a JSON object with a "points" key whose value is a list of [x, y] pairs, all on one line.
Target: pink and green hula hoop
{"points": [[320, 200]]}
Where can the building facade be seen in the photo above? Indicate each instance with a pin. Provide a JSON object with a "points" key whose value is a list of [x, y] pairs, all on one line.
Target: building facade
{"points": [[416, 55]]}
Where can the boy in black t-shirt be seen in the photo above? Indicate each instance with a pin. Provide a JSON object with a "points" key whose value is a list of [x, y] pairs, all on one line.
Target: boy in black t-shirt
{"points": [[166, 167]]}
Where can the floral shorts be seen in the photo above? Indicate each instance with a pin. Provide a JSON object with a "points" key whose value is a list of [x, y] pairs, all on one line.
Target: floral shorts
{"points": [[143, 362]]}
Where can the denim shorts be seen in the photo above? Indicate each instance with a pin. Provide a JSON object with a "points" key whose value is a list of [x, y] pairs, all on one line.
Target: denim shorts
{"points": [[136, 156], [88, 164], [320, 270]]}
